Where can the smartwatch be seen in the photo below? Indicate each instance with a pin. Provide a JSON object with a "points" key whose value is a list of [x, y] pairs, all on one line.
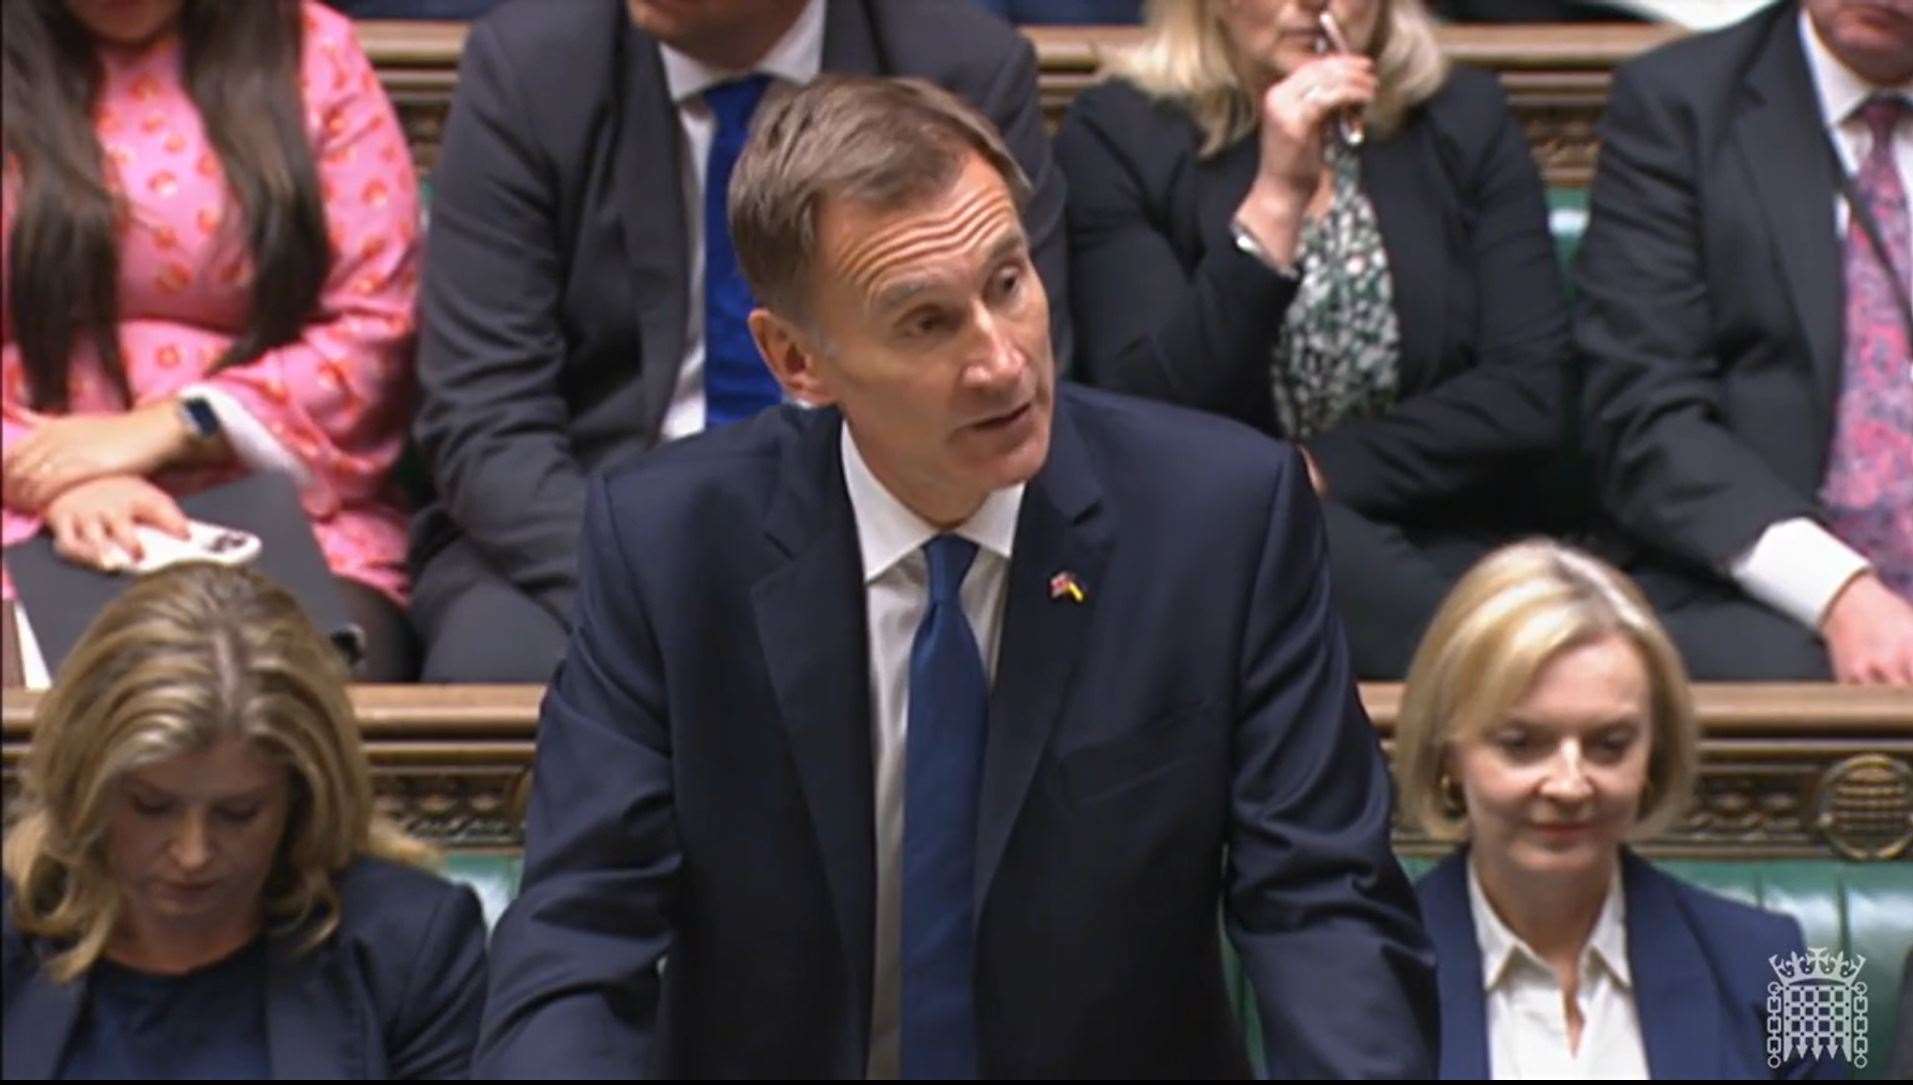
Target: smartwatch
{"points": [[202, 422]]}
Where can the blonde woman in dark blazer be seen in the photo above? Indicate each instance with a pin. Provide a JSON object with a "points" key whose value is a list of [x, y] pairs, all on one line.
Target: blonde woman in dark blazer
{"points": [[1547, 722], [198, 885], [1393, 306]]}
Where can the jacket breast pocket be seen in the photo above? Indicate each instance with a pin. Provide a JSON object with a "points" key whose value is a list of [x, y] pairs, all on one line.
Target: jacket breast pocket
{"points": [[1175, 740]]}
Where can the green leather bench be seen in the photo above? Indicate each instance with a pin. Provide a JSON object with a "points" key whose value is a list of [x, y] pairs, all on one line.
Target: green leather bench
{"points": [[1567, 220], [1853, 908]]}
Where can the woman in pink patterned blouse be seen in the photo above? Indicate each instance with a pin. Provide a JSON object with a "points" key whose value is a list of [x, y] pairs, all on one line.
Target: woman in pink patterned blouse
{"points": [[210, 221]]}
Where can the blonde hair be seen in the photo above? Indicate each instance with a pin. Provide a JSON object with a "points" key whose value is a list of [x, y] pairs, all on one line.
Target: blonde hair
{"points": [[1187, 57], [184, 658], [1516, 610]]}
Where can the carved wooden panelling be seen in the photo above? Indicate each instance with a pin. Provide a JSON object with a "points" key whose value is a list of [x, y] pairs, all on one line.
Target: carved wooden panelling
{"points": [[1556, 76], [1786, 771]]}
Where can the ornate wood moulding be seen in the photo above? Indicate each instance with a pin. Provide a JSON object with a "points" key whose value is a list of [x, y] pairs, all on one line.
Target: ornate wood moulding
{"points": [[1786, 771], [1556, 76]]}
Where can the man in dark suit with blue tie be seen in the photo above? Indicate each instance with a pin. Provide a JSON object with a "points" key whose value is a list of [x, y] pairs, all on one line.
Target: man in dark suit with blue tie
{"points": [[921, 731], [581, 302]]}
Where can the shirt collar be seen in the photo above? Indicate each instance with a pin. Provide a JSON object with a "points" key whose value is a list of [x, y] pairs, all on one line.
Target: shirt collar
{"points": [[1501, 947], [1840, 88], [796, 58], [888, 531]]}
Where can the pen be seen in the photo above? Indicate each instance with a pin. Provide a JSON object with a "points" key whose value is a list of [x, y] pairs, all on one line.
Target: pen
{"points": [[1347, 122]]}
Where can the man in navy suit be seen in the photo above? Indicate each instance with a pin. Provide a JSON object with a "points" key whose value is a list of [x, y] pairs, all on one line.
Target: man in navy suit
{"points": [[921, 731]]}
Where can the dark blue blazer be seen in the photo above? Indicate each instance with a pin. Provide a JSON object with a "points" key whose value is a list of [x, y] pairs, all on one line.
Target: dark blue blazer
{"points": [[395, 992], [1187, 736], [1699, 963]]}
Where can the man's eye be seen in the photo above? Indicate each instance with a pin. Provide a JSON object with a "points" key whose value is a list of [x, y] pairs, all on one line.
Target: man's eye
{"points": [[925, 323]]}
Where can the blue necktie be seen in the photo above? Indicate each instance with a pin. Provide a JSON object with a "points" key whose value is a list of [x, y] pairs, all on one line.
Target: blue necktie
{"points": [[943, 768], [737, 384]]}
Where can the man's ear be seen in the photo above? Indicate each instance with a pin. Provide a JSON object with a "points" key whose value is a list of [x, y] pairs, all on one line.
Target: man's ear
{"points": [[791, 358]]}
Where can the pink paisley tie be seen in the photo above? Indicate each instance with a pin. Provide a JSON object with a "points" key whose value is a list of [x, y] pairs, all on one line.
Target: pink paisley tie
{"points": [[1868, 494]]}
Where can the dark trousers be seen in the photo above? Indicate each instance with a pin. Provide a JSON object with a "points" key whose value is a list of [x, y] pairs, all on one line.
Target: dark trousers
{"points": [[1726, 637], [391, 650], [1388, 581], [478, 627]]}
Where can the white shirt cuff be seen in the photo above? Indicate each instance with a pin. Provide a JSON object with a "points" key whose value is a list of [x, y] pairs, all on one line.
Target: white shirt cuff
{"points": [[33, 669], [1797, 567], [255, 446]]}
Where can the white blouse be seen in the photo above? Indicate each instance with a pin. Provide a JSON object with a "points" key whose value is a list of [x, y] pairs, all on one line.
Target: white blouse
{"points": [[1527, 1013]]}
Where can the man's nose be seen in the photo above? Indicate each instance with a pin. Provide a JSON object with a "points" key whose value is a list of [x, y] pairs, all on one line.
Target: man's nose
{"points": [[996, 357]]}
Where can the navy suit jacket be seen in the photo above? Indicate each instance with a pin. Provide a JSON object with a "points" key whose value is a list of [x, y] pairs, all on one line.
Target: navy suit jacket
{"points": [[394, 992], [1699, 963], [1186, 736]]}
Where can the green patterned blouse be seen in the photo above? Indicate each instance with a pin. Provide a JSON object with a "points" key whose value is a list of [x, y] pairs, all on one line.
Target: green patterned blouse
{"points": [[1338, 353]]}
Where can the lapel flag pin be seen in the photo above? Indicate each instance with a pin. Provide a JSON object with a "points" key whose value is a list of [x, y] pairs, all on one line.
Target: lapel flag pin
{"points": [[1065, 585]]}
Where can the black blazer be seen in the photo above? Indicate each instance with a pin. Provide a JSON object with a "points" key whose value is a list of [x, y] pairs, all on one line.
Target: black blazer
{"points": [[1699, 964], [395, 992], [1708, 292], [704, 789], [554, 298], [1165, 305]]}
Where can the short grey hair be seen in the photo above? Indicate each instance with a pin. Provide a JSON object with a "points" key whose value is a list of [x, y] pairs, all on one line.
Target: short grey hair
{"points": [[882, 143]]}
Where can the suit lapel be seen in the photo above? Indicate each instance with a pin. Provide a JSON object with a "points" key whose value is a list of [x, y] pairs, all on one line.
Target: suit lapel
{"points": [[649, 196], [1784, 151], [810, 623], [1397, 178], [1061, 528], [39, 1023], [1673, 987], [1221, 183], [850, 39], [311, 1031], [1451, 927]]}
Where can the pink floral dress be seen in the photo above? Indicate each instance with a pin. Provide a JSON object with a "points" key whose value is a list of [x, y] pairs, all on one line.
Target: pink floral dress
{"points": [[329, 407]]}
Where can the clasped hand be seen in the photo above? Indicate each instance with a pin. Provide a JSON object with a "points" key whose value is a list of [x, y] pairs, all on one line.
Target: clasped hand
{"points": [[66, 450]]}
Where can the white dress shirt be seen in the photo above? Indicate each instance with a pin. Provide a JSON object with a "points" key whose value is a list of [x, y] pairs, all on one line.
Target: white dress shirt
{"points": [[896, 594], [794, 60], [1526, 1010], [1797, 566]]}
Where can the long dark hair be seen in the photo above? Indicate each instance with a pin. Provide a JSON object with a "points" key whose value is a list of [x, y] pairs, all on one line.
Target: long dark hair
{"points": [[241, 64]]}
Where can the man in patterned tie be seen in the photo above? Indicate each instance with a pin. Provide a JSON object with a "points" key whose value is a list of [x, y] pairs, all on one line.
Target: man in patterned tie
{"points": [[924, 733], [581, 300], [1743, 312]]}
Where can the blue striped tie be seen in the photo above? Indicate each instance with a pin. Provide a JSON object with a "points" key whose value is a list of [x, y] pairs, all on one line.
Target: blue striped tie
{"points": [[737, 384], [943, 768]]}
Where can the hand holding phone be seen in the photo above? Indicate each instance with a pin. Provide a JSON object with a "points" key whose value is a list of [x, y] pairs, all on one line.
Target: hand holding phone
{"points": [[1348, 123], [203, 542]]}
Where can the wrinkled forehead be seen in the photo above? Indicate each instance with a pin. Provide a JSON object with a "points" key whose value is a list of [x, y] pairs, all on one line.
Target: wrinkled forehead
{"points": [[874, 252]]}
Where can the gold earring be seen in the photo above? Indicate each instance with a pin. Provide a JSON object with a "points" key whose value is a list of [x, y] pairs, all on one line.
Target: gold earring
{"points": [[1452, 799]]}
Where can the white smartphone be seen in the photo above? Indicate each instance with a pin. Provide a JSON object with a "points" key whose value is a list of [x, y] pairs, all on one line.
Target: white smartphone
{"points": [[203, 542]]}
